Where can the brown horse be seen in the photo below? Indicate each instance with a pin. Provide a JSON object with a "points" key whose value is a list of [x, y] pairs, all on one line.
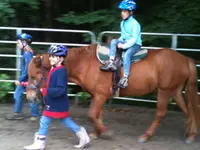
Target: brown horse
{"points": [[164, 70]]}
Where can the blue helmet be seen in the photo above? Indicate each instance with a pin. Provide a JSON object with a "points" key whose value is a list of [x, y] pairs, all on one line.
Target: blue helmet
{"points": [[57, 50], [127, 5], [25, 37]]}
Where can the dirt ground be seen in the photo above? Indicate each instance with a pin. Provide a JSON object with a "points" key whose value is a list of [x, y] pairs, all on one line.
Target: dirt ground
{"points": [[127, 123]]}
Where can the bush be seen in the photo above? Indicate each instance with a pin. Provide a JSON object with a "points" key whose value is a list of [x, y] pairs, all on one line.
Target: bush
{"points": [[83, 96], [5, 87]]}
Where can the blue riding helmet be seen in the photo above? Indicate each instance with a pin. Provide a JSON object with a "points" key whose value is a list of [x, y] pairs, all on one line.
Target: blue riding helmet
{"points": [[57, 50], [24, 37], [127, 5]]}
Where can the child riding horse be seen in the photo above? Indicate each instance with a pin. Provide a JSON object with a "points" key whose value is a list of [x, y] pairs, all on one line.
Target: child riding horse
{"points": [[130, 41]]}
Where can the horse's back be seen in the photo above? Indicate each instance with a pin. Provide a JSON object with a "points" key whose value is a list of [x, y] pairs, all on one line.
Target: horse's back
{"points": [[162, 68], [172, 67]]}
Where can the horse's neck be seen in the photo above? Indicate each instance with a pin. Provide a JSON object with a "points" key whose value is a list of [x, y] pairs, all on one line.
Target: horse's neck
{"points": [[77, 62], [45, 61]]}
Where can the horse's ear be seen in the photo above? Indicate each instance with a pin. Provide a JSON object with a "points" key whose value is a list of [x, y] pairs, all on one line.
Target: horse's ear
{"points": [[45, 61], [38, 60]]}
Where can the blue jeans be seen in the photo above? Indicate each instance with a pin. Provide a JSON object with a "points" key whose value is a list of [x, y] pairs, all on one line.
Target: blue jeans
{"points": [[127, 56], [67, 122], [19, 102]]}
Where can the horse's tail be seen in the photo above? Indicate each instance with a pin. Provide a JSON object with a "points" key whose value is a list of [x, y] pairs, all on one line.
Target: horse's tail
{"points": [[193, 103]]}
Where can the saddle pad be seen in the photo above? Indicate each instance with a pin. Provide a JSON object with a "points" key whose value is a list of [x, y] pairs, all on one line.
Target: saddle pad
{"points": [[103, 54]]}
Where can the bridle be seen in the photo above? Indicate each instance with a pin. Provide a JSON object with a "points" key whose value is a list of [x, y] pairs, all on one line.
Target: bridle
{"points": [[35, 87]]}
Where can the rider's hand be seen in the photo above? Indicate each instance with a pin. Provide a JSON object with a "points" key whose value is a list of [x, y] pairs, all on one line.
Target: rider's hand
{"points": [[119, 45], [17, 82]]}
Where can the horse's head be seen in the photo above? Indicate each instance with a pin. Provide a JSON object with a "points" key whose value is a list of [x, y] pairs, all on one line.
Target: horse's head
{"points": [[37, 72], [76, 64]]}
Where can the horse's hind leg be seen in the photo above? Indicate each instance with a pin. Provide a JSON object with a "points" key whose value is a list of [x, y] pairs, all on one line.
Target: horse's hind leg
{"points": [[182, 104], [163, 99], [181, 101]]}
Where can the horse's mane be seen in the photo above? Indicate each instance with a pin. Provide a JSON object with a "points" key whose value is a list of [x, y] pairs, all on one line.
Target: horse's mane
{"points": [[40, 59], [75, 54], [37, 60], [81, 51]]}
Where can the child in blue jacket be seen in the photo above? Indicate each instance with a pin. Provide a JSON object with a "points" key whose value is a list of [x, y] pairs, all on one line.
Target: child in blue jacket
{"points": [[129, 41], [23, 42], [56, 101]]}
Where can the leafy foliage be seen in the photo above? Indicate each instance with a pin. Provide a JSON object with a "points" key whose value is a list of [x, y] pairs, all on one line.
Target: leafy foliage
{"points": [[181, 16], [83, 96], [5, 87], [6, 12], [9, 8], [100, 19]]}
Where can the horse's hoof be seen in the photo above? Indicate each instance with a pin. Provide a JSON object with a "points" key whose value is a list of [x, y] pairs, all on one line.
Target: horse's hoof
{"points": [[107, 134], [93, 136], [144, 139], [189, 141]]}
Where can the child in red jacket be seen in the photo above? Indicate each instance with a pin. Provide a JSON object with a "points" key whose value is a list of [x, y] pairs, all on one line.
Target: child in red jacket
{"points": [[56, 102]]}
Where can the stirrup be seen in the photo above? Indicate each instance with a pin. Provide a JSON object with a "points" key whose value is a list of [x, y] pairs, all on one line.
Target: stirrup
{"points": [[123, 83], [107, 67]]}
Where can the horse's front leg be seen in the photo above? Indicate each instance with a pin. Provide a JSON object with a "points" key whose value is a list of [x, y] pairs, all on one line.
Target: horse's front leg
{"points": [[95, 116], [98, 126]]}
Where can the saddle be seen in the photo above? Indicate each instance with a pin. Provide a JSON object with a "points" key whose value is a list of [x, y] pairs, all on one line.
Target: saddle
{"points": [[102, 54]]}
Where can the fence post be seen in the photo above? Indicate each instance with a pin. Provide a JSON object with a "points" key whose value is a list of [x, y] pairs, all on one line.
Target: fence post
{"points": [[76, 99], [110, 101], [93, 37], [174, 41], [18, 53]]}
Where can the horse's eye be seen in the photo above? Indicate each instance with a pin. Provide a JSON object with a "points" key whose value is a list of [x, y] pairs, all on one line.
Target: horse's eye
{"points": [[38, 72]]}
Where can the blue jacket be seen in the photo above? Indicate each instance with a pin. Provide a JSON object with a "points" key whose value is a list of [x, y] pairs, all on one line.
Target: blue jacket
{"points": [[130, 33], [25, 60], [56, 100]]}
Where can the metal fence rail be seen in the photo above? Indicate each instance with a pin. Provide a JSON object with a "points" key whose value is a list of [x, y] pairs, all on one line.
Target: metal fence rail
{"points": [[174, 41], [19, 30]]}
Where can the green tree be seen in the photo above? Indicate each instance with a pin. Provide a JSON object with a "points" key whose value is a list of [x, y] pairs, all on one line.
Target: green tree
{"points": [[181, 16], [9, 8], [100, 19], [6, 12], [5, 87]]}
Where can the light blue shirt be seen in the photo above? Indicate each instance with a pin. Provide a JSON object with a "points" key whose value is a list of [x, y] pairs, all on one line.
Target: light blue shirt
{"points": [[130, 33]]}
